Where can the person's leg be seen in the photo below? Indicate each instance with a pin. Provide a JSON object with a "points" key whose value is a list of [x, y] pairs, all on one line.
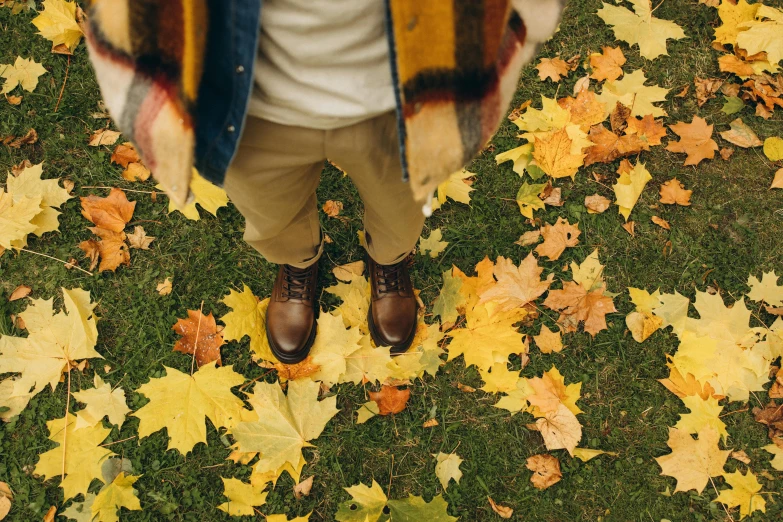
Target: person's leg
{"points": [[393, 220], [272, 182]]}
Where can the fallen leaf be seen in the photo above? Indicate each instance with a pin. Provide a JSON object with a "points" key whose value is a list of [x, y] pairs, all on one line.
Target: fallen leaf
{"points": [[529, 238], [103, 137], [706, 89], [695, 140], [200, 335], [548, 341], [608, 146], [125, 154], [661, 222], [576, 304], [673, 193], [247, 317], [430, 423], [641, 27], [528, 200], [57, 23], [366, 411], [777, 182], [733, 16], [554, 155], [557, 238], [608, 64], [20, 292], [136, 172], [773, 148], [16, 142], [740, 456], [502, 511], [741, 135], [24, 72], [516, 285], [101, 401], [49, 516], [465, 388], [390, 399], [693, 461], [560, 429], [111, 213], [648, 129], [743, 493], [333, 208], [596, 204], [552, 68], [348, 271], [457, 187], [165, 287], [242, 498], [139, 239], [303, 488], [764, 34], [181, 403], [726, 153], [447, 468], [630, 227], [546, 471], [629, 188], [434, 245], [631, 92], [207, 195], [111, 249]]}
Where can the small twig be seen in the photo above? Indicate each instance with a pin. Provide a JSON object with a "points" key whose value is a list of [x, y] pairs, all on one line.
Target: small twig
{"points": [[391, 471], [62, 89], [117, 441], [195, 342], [67, 407], [722, 504], [733, 412], [126, 190], [55, 259]]}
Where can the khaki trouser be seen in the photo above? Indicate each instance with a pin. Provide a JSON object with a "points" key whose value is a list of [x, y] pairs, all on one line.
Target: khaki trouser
{"points": [[273, 179]]}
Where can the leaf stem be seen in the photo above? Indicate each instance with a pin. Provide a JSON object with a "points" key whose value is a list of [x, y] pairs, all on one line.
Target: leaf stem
{"points": [[56, 259]]}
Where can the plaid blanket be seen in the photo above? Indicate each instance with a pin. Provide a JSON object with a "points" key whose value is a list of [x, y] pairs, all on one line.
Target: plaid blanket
{"points": [[455, 63]]}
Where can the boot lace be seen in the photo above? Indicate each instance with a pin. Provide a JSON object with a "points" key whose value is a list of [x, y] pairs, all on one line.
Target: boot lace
{"points": [[296, 282], [391, 278]]}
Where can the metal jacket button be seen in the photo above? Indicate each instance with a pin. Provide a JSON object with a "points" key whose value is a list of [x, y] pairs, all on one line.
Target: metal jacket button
{"points": [[231, 128]]}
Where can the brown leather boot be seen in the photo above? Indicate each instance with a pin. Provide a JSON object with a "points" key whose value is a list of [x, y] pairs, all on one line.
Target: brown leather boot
{"points": [[291, 315], [393, 307]]}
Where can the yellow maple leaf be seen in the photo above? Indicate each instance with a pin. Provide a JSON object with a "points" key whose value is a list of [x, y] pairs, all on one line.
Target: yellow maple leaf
{"points": [[764, 34], [733, 16], [489, 336], [53, 342], [447, 468], [24, 72], [423, 356], [284, 518], [777, 456], [550, 391], [521, 156], [57, 23], [210, 197], [28, 183], [102, 401], [589, 273], [112, 497], [181, 403], [333, 344], [528, 200], [285, 424], [434, 245], [766, 290], [548, 341], [693, 461], [454, 188], [629, 188], [641, 27], [368, 363], [499, 379], [743, 493], [16, 219], [355, 296], [247, 317], [550, 117], [703, 413], [450, 299], [83, 456], [241, 497], [554, 155], [643, 322], [633, 93], [516, 285], [516, 399]]}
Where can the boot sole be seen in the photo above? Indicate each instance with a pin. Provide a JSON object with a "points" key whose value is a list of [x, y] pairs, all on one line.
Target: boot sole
{"points": [[297, 357], [393, 349]]}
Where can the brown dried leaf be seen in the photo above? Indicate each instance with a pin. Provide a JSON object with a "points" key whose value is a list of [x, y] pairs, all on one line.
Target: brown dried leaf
{"points": [[630, 227], [607, 65], [661, 222], [673, 193], [695, 140], [292, 372], [553, 68], [112, 249], [741, 135], [136, 172], [303, 488], [575, 304], [529, 238], [333, 208], [648, 129], [597, 204], [502, 511], [557, 238], [124, 154], [546, 470], [706, 89], [140, 239], [28, 139], [20, 292], [112, 212], [103, 137], [200, 334], [725, 153]]}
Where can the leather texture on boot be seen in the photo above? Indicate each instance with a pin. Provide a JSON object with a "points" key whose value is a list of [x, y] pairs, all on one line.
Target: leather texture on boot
{"points": [[393, 309], [291, 315]]}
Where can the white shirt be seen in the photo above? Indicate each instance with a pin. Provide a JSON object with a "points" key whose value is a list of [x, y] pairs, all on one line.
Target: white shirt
{"points": [[322, 64]]}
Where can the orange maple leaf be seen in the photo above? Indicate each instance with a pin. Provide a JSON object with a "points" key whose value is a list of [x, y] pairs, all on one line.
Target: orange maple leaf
{"points": [[608, 65], [673, 193], [648, 129], [390, 399], [124, 154], [516, 286], [585, 109], [609, 146], [557, 238], [111, 213], [200, 334], [553, 68], [695, 140], [576, 304]]}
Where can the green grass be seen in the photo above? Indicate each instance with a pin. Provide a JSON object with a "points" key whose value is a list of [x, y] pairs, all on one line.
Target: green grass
{"points": [[732, 229]]}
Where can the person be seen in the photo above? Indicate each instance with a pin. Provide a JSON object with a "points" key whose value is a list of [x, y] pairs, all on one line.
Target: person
{"points": [[258, 94]]}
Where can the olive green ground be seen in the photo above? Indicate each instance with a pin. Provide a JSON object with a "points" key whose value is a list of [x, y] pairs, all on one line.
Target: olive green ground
{"points": [[733, 229]]}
